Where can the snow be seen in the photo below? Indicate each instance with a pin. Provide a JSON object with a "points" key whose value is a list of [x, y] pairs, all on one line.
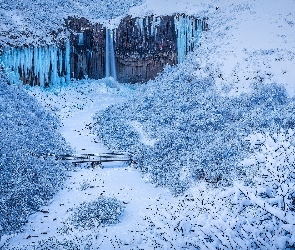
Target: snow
{"points": [[230, 217], [143, 137], [75, 105], [30, 175], [41, 22], [246, 40], [236, 72]]}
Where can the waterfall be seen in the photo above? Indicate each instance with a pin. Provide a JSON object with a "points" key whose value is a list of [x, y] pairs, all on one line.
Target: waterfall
{"points": [[43, 66], [67, 62], [110, 55], [113, 61]]}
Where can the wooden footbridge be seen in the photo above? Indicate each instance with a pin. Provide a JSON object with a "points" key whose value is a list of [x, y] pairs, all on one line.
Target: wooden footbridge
{"points": [[96, 159]]}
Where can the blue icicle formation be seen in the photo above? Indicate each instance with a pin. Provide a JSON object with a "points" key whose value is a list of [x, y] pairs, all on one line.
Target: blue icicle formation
{"points": [[188, 30], [43, 66]]}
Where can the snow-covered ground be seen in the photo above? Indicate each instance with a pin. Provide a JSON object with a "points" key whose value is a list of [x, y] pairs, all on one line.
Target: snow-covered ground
{"points": [[204, 217], [75, 105]]}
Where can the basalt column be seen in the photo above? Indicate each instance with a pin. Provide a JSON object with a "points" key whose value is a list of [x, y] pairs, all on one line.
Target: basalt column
{"points": [[88, 48], [143, 46]]}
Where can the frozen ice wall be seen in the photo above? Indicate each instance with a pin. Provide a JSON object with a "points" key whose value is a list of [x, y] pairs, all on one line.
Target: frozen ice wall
{"points": [[188, 30], [43, 66]]}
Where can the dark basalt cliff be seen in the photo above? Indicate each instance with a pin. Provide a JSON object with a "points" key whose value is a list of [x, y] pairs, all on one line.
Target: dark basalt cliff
{"points": [[87, 48], [144, 46], [136, 51]]}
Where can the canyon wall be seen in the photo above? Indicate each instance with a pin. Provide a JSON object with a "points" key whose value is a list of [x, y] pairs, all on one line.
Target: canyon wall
{"points": [[87, 48], [144, 46], [140, 47]]}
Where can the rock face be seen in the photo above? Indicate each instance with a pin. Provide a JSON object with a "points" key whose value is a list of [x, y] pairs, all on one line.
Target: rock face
{"points": [[87, 48], [142, 47]]}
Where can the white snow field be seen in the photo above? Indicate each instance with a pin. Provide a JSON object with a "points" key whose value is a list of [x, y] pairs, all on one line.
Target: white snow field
{"points": [[248, 43]]}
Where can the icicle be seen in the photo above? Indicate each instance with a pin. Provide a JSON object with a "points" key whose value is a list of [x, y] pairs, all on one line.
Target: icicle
{"points": [[40, 67], [44, 63], [188, 32], [10, 60], [181, 38], [59, 61], [53, 59], [154, 24], [139, 22], [80, 39]]}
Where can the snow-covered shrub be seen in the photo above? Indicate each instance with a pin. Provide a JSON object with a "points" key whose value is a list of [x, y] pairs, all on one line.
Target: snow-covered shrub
{"points": [[59, 243], [193, 127], [102, 211], [29, 175], [256, 216]]}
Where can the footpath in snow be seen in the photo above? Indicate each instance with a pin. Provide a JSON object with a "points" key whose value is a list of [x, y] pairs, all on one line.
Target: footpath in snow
{"points": [[75, 105]]}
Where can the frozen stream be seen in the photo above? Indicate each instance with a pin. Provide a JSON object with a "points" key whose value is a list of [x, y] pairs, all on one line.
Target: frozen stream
{"points": [[75, 105]]}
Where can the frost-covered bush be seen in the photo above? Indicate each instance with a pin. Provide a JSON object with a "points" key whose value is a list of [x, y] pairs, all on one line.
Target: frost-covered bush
{"points": [[102, 211], [60, 244], [197, 132], [29, 176], [257, 216]]}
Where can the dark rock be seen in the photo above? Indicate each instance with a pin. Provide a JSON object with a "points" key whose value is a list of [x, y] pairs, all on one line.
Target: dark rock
{"points": [[88, 48], [143, 47]]}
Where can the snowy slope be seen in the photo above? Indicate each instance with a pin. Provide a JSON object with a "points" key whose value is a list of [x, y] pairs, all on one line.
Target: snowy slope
{"points": [[42, 22], [237, 216], [248, 41], [74, 106]]}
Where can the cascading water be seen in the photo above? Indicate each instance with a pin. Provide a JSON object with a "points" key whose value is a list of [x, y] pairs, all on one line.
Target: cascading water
{"points": [[43, 66], [108, 65], [67, 62], [188, 30], [110, 55]]}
